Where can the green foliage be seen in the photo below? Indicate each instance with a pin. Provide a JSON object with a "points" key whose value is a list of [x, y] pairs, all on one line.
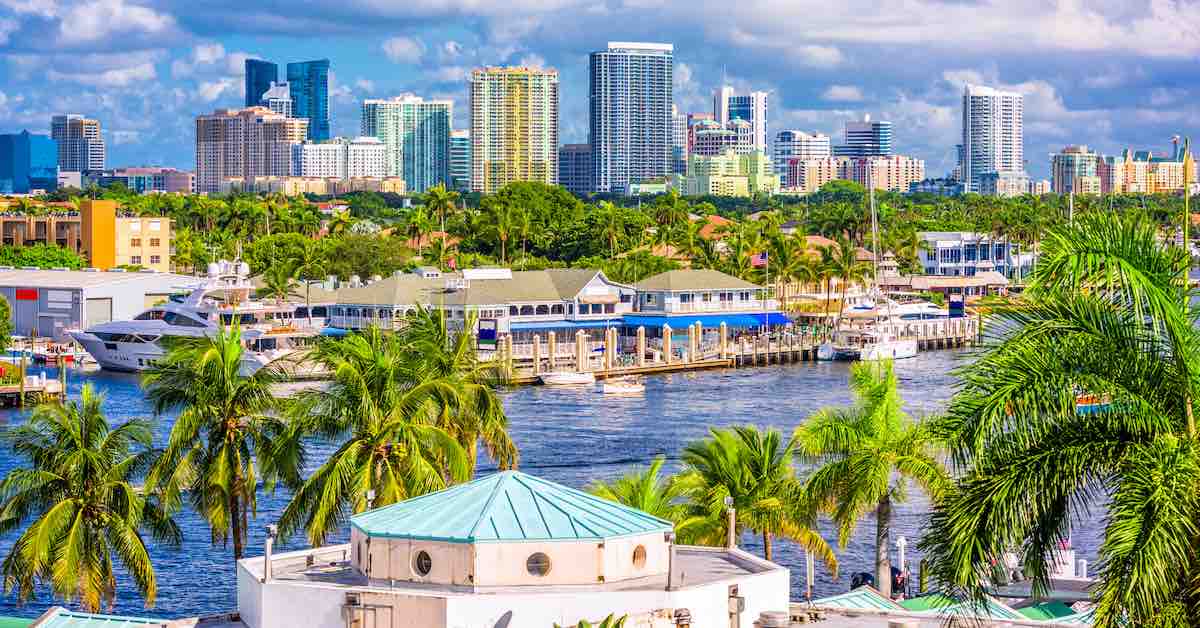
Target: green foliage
{"points": [[6, 324], [630, 268], [364, 255], [41, 256], [612, 621]]}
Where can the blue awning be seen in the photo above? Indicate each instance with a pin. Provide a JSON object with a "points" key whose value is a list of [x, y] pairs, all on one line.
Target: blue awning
{"points": [[547, 325], [753, 319], [335, 331]]}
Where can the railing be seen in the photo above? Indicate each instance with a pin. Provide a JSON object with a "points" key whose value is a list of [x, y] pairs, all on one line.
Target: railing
{"points": [[714, 306]]}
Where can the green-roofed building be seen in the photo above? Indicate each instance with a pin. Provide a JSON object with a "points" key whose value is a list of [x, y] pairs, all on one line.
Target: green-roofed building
{"points": [[58, 617], [15, 622], [1047, 611]]}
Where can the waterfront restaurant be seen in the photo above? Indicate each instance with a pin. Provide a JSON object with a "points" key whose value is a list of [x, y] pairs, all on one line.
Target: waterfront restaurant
{"points": [[509, 550], [684, 297]]}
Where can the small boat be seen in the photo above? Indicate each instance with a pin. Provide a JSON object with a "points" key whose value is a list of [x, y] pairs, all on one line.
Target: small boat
{"points": [[568, 378], [622, 386]]}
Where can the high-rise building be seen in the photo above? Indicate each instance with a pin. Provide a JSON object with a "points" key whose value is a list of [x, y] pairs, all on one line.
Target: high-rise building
{"points": [[309, 84], [575, 168], [514, 127], [630, 123], [1075, 169], [340, 158], [992, 134], [278, 98], [730, 174], [805, 176], [710, 138], [696, 122], [865, 138], [27, 162], [729, 106], [244, 143], [893, 172], [460, 160], [1143, 172], [416, 133], [1004, 183], [792, 144], [146, 179], [260, 76], [679, 141], [80, 145]]}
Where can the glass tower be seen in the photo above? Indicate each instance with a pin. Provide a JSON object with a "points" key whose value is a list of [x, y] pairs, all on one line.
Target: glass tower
{"points": [[259, 77], [309, 82], [416, 133], [27, 162], [631, 130]]}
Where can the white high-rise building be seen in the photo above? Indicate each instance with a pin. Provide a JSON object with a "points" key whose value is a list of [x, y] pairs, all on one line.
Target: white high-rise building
{"points": [[729, 106], [630, 124], [278, 98], [793, 144], [80, 145], [679, 141], [341, 158], [992, 134], [416, 133]]}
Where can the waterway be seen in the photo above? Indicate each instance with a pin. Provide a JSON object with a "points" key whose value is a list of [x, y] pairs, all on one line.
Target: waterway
{"points": [[572, 436]]}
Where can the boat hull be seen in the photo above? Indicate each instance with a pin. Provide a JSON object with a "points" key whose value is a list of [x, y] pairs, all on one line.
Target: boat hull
{"points": [[890, 350], [568, 379]]}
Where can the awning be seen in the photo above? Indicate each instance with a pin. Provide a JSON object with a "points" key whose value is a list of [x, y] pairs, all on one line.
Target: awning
{"points": [[335, 331], [599, 298], [561, 324], [680, 321]]}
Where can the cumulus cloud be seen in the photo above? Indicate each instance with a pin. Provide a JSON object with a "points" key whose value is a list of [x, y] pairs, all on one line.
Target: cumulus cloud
{"points": [[404, 49], [209, 91], [102, 19], [533, 60], [119, 77], [842, 93], [366, 85]]}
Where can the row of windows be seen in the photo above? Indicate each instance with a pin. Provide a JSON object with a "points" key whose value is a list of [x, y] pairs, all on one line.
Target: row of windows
{"points": [[137, 259], [537, 564], [138, 242], [513, 310]]}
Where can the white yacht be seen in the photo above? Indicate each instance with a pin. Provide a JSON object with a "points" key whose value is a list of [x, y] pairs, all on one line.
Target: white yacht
{"points": [[271, 330]]}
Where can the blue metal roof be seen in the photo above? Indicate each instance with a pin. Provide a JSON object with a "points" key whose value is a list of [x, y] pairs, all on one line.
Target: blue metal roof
{"points": [[507, 506], [63, 618], [680, 321], [564, 324]]}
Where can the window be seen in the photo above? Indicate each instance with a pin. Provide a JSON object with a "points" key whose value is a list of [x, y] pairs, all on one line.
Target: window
{"points": [[639, 557], [180, 320], [556, 309], [155, 259], [538, 564], [626, 298], [135, 242], [610, 308], [150, 315], [686, 297], [135, 226], [155, 241], [422, 564], [526, 310], [135, 259], [512, 310], [706, 297], [156, 225], [726, 296], [543, 310]]}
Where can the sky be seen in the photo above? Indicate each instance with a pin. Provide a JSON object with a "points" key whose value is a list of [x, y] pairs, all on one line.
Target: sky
{"points": [[1111, 74]]}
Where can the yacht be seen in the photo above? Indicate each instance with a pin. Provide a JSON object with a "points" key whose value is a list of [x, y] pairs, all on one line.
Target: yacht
{"points": [[271, 330]]}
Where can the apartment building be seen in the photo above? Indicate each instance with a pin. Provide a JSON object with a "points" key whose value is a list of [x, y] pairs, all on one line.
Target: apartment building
{"points": [[244, 143], [514, 127]]}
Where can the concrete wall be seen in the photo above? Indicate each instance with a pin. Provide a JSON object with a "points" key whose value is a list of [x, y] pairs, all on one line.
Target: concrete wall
{"points": [[395, 559]]}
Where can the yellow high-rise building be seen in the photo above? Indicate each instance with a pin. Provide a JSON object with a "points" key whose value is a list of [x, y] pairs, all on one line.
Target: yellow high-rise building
{"points": [[110, 241], [514, 127]]}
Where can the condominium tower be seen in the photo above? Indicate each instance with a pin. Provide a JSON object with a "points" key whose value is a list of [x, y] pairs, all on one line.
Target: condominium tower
{"points": [[792, 144], [416, 134], [865, 138], [728, 105], [514, 127], [630, 123], [278, 98], [309, 84], [80, 145], [992, 134], [27, 162], [340, 158], [1075, 170], [244, 143], [460, 160], [260, 75]]}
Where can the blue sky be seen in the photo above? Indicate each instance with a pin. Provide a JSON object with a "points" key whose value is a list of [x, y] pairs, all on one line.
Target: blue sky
{"points": [[1108, 73]]}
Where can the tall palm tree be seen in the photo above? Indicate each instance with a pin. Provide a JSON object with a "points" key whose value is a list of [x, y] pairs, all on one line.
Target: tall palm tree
{"points": [[308, 265], [754, 469], [848, 269], [648, 491], [226, 434], [869, 454], [1108, 312], [80, 499], [501, 217], [441, 202]]}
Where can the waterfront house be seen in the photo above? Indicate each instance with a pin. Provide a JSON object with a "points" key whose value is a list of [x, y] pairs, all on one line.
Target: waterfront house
{"points": [[683, 297], [508, 550], [964, 252]]}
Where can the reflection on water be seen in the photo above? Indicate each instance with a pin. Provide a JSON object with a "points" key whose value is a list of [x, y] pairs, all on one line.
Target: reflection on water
{"points": [[573, 436]]}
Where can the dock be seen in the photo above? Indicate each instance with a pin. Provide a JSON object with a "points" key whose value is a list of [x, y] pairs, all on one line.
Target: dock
{"points": [[33, 390]]}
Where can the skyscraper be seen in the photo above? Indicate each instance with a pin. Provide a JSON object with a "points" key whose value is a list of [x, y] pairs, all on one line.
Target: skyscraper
{"points": [[460, 160], [260, 75], [728, 106], [27, 162], [1075, 169], [416, 133], [309, 83], [244, 143], [630, 123], [865, 138], [278, 98], [792, 144], [514, 127], [992, 133], [679, 141], [80, 145], [575, 168]]}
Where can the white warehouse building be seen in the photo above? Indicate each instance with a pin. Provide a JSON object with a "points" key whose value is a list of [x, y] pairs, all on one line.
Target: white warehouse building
{"points": [[341, 158]]}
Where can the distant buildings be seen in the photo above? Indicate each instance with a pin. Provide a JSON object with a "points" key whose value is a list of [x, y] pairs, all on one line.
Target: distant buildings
{"points": [[309, 85], [679, 141], [575, 168], [1004, 184], [992, 134], [80, 144], [752, 108], [260, 75], [1143, 172], [805, 176], [28, 162], [941, 187], [792, 144], [1039, 187], [710, 137], [514, 127], [416, 133], [1075, 169], [865, 138], [146, 180], [730, 174], [894, 172], [341, 158], [630, 127], [964, 253], [244, 143], [460, 160], [278, 98], [320, 186]]}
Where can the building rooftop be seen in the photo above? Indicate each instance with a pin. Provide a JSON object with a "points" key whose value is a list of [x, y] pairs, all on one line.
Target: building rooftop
{"points": [[15, 277], [865, 607], [554, 284], [59, 617], [687, 279], [507, 506]]}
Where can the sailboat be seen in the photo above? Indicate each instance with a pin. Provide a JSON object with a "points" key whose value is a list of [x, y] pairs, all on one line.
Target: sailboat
{"points": [[880, 340]]}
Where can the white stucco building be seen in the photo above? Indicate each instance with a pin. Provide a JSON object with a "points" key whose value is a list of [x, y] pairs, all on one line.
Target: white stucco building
{"points": [[509, 550], [362, 157]]}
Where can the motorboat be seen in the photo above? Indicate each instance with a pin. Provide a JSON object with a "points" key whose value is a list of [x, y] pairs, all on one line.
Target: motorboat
{"points": [[623, 386], [568, 378], [270, 330], [868, 345]]}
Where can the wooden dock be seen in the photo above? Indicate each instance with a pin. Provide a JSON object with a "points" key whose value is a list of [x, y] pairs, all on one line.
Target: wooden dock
{"points": [[33, 391]]}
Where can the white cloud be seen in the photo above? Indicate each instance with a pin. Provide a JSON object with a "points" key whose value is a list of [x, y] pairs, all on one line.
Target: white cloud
{"points": [[1164, 96], [209, 91], [843, 93], [100, 20], [7, 28], [451, 73], [365, 85], [533, 60], [818, 56], [450, 49], [117, 77], [40, 8], [404, 49]]}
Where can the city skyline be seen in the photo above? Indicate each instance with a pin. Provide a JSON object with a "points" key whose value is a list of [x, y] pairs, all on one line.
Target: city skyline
{"points": [[150, 72]]}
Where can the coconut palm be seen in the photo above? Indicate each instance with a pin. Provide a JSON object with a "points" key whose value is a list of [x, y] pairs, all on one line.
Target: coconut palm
{"points": [[647, 490], [79, 500], [1108, 312], [501, 217], [754, 469], [277, 282], [226, 435], [847, 268], [441, 202], [869, 455], [309, 264]]}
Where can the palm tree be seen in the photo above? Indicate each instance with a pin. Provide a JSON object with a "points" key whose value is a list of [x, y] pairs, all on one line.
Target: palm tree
{"points": [[502, 219], [870, 453], [417, 225], [754, 469], [440, 201], [648, 491], [277, 282], [79, 498], [1108, 312], [308, 265], [225, 435], [341, 222], [612, 224], [847, 268]]}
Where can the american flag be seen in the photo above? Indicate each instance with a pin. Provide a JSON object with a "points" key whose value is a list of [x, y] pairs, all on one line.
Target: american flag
{"points": [[452, 263], [759, 260]]}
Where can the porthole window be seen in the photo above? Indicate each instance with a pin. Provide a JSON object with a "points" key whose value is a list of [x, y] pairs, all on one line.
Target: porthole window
{"points": [[639, 557], [538, 564], [422, 563]]}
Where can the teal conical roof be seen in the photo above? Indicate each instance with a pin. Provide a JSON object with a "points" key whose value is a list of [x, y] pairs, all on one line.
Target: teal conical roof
{"points": [[507, 506]]}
